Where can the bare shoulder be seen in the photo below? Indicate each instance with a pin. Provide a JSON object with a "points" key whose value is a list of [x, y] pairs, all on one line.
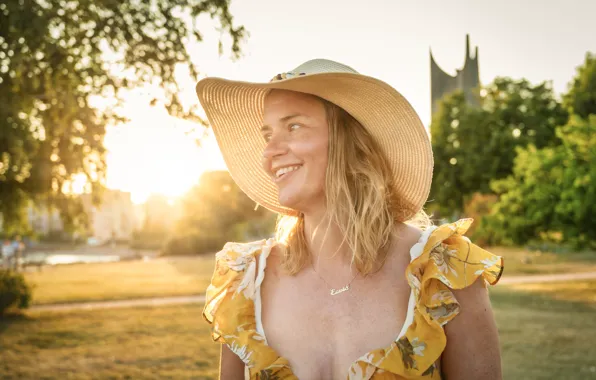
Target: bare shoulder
{"points": [[409, 233], [276, 251], [398, 257], [273, 268], [405, 237], [275, 259]]}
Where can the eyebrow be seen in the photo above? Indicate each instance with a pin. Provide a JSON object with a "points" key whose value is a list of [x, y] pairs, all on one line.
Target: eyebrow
{"points": [[266, 128]]}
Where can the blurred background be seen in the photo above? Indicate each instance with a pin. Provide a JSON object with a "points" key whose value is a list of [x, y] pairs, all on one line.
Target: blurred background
{"points": [[114, 196]]}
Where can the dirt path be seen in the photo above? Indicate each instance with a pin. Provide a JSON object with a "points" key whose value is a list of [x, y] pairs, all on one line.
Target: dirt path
{"points": [[156, 301], [162, 301], [561, 277]]}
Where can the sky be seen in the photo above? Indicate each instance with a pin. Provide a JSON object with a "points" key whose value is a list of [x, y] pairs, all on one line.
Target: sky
{"points": [[538, 40]]}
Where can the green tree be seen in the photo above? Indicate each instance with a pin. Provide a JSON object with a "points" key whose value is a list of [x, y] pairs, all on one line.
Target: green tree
{"points": [[551, 194], [474, 145], [214, 212], [56, 58], [581, 98], [450, 125]]}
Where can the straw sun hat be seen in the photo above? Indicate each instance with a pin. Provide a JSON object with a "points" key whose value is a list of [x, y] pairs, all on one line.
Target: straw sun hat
{"points": [[235, 112]]}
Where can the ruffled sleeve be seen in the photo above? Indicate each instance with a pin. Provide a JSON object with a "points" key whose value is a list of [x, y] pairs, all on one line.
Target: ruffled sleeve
{"points": [[230, 308], [446, 261], [449, 261], [232, 285]]}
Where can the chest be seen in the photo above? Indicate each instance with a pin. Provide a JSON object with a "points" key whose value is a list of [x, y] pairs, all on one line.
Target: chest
{"points": [[322, 335]]}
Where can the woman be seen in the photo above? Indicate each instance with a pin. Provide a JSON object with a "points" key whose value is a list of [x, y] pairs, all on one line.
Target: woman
{"points": [[347, 289]]}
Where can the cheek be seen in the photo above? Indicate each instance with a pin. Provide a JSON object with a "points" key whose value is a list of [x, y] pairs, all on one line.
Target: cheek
{"points": [[265, 163], [311, 152], [322, 155], [314, 155], [321, 162]]}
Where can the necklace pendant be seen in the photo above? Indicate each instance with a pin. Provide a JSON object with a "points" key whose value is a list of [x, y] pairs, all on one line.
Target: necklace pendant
{"points": [[338, 291]]}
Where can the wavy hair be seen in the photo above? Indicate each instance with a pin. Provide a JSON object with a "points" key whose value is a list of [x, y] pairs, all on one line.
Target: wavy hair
{"points": [[359, 196]]}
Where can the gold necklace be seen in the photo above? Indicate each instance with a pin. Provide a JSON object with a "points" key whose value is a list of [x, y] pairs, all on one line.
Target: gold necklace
{"points": [[334, 291]]}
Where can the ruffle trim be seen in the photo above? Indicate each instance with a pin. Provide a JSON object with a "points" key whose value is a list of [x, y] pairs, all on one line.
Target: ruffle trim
{"points": [[230, 308], [442, 260], [448, 261]]}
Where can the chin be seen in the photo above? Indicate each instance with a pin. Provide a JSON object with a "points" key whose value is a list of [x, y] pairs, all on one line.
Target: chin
{"points": [[290, 201], [298, 200]]}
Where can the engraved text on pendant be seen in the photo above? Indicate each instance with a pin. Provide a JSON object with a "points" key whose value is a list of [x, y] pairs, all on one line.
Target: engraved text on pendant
{"points": [[337, 291]]}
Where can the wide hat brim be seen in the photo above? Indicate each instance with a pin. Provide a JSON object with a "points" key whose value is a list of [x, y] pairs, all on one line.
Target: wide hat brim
{"points": [[235, 111]]}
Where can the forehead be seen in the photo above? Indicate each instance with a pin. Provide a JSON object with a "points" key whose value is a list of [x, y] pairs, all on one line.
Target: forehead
{"points": [[282, 101]]}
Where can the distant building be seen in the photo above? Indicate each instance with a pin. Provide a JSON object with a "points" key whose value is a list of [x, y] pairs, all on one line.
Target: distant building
{"points": [[159, 211], [466, 79], [43, 221], [114, 218]]}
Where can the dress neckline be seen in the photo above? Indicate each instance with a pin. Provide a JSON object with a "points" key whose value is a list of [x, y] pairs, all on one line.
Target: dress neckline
{"points": [[415, 252]]}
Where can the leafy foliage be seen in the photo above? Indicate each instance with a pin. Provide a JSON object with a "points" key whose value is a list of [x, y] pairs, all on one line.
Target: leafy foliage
{"points": [[57, 59], [581, 98], [217, 211], [551, 194], [14, 291], [476, 208], [550, 198], [473, 146]]}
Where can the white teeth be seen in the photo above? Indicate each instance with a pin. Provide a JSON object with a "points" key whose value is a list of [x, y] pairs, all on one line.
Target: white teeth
{"points": [[285, 170]]}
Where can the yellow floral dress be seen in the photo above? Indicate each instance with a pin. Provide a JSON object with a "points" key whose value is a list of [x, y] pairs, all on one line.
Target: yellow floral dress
{"points": [[443, 259]]}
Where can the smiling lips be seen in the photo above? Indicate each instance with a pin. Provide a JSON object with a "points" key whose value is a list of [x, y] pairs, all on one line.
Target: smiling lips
{"points": [[282, 172]]}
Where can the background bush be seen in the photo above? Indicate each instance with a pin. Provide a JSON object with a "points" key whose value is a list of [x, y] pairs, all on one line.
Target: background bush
{"points": [[14, 291]]}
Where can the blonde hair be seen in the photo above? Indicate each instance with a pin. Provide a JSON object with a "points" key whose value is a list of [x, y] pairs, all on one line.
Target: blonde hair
{"points": [[359, 197]]}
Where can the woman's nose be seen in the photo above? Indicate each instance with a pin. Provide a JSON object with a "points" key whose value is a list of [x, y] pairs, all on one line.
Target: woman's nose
{"points": [[276, 146]]}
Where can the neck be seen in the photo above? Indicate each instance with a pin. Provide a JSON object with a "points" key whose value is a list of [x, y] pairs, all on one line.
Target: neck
{"points": [[325, 240]]}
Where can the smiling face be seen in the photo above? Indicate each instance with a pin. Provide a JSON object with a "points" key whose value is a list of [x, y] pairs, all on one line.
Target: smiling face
{"points": [[296, 129]]}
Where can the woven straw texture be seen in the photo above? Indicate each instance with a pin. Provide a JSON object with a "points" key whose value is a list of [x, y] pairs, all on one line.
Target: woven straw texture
{"points": [[235, 112]]}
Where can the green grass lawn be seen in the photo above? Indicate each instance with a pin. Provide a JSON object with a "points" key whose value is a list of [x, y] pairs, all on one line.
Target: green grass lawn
{"points": [[121, 280], [583, 291], [191, 275], [542, 337], [139, 343], [520, 261]]}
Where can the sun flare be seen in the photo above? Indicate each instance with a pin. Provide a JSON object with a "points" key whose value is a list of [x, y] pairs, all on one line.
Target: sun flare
{"points": [[155, 153]]}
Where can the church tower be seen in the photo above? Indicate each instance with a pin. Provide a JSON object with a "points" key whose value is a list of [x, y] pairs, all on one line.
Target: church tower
{"points": [[467, 79]]}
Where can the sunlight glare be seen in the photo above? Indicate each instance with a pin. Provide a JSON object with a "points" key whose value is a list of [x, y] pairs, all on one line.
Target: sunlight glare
{"points": [[153, 154]]}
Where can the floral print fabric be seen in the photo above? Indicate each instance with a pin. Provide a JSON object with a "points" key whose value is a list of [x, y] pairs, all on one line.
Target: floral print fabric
{"points": [[443, 260]]}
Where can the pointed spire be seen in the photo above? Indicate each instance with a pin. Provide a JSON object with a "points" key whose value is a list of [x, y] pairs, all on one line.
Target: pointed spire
{"points": [[433, 63], [468, 46]]}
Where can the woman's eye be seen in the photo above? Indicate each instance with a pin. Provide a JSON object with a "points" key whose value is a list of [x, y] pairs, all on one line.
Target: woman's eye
{"points": [[294, 127], [267, 138]]}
